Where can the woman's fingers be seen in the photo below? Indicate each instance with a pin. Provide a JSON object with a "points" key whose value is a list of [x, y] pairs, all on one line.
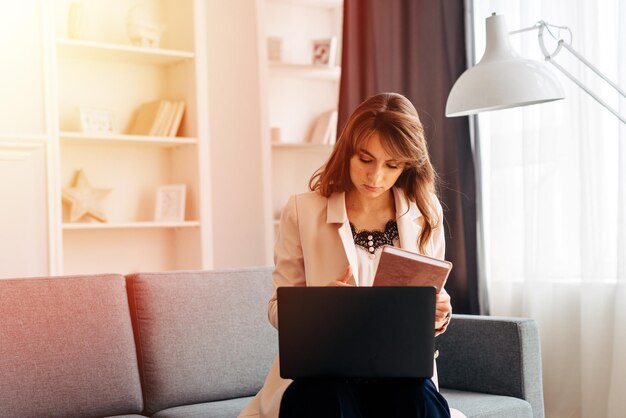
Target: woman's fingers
{"points": [[347, 274], [341, 284], [343, 281], [443, 309]]}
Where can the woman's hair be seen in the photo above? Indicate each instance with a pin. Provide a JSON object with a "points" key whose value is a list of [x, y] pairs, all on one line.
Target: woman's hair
{"points": [[394, 118]]}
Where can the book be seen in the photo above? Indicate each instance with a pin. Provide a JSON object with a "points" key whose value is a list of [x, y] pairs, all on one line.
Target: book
{"points": [[145, 118], [178, 117], [325, 128], [163, 119], [399, 267]]}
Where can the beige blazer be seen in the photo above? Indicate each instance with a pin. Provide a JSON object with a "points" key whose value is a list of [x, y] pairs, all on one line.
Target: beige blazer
{"points": [[314, 246]]}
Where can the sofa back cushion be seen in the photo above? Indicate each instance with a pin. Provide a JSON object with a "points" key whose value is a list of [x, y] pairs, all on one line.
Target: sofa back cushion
{"points": [[203, 335], [66, 348]]}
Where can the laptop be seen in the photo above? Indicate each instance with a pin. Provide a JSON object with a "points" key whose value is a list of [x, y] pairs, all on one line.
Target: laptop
{"points": [[356, 332]]}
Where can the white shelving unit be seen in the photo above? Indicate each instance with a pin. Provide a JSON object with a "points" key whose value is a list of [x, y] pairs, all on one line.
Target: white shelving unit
{"points": [[280, 69], [157, 141], [131, 225], [121, 53], [298, 91], [105, 71], [302, 146], [42, 146]]}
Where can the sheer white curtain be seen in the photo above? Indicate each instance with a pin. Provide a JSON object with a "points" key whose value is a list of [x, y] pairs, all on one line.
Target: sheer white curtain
{"points": [[554, 203]]}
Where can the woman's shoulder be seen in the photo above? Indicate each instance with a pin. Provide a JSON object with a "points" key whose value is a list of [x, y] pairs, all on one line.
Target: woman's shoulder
{"points": [[436, 202], [432, 196], [305, 202], [309, 199], [304, 207]]}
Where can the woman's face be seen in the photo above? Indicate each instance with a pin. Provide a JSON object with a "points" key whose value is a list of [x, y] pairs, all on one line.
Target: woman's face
{"points": [[372, 171]]}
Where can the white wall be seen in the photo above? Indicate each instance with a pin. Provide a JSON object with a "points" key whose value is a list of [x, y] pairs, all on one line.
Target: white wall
{"points": [[239, 135]]}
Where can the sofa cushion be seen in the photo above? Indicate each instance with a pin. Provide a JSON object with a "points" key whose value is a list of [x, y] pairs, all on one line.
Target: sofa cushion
{"points": [[127, 416], [66, 348], [219, 409], [483, 405], [202, 336]]}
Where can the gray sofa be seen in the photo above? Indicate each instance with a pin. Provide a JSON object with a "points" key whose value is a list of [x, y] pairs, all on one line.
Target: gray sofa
{"points": [[198, 344]]}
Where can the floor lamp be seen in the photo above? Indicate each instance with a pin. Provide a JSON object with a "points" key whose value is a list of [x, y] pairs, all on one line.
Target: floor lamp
{"points": [[502, 79]]}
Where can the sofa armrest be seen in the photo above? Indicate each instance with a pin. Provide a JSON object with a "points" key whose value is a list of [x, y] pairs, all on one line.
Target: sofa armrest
{"points": [[496, 355]]}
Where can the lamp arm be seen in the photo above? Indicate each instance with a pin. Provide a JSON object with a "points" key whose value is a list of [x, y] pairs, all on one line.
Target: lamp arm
{"points": [[592, 67], [540, 26], [588, 91]]}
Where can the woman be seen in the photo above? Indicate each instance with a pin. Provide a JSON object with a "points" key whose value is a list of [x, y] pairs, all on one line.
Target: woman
{"points": [[377, 188]]}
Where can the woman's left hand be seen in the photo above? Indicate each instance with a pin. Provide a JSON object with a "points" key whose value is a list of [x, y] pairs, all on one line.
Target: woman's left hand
{"points": [[443, 312]]}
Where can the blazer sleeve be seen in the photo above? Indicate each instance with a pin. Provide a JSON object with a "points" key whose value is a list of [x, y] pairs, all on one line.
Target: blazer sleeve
{"points": [[438, 238], [288, 258]]}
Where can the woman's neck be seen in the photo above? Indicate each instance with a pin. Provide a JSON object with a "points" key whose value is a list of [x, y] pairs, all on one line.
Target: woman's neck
{"points": [[367, 213]]}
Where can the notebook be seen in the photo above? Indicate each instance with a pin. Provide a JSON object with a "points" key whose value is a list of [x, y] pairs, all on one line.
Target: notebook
{"points": [[356, 332], [399, 267]]}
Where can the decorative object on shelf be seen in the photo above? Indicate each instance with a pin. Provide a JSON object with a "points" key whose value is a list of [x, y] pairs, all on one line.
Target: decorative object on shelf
{"points": [[76, 20], [324, 130], [275, 49], [96, 121], [325, 51], [170, 203], [158, 118], [275, 134], [142, 30], [85, 200]]}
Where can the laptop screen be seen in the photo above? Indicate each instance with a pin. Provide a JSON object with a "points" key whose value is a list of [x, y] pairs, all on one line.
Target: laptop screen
{"points": [[356, 332]]}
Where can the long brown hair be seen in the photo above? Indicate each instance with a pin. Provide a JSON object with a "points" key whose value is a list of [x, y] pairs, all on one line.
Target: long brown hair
{"points": [[396, 121]]}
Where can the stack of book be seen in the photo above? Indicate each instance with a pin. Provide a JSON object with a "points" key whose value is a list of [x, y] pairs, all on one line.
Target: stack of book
{"points": [[158, 118]]}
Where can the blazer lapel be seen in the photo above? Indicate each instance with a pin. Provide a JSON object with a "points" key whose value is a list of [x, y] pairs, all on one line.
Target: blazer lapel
{"points": [[336, 214], [407, 218]]}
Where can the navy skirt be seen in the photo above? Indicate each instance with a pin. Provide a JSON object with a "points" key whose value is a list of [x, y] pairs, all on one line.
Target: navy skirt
{"points": [[379, 398]]}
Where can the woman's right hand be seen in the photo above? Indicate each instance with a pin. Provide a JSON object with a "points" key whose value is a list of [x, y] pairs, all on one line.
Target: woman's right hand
{"points": [[343, 281]]}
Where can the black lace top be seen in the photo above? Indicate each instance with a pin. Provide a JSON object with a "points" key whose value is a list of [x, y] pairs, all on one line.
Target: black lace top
{"points": [[372, 240]]}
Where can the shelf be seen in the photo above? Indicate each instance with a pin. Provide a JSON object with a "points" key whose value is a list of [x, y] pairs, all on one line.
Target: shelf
{"points": [[303, 70], [129, 225], [119, 52], [301, 145], [328, 4], [157, 141], [23, 137]]}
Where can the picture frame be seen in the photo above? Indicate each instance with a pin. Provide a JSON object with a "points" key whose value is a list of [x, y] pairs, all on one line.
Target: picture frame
{"points": [[275, 49], [275, 134], [170, 203], [325, 51], [96, 121]]}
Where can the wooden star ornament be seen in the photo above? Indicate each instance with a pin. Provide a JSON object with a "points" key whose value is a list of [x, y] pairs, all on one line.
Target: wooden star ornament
{"points": [[85, 200]]}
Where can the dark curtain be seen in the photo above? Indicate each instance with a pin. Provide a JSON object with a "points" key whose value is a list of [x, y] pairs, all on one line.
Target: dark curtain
{"points": [[417, 48]]}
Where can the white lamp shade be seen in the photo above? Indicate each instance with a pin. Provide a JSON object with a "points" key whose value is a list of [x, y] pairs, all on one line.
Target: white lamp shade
{"points": [[501, 79]]}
